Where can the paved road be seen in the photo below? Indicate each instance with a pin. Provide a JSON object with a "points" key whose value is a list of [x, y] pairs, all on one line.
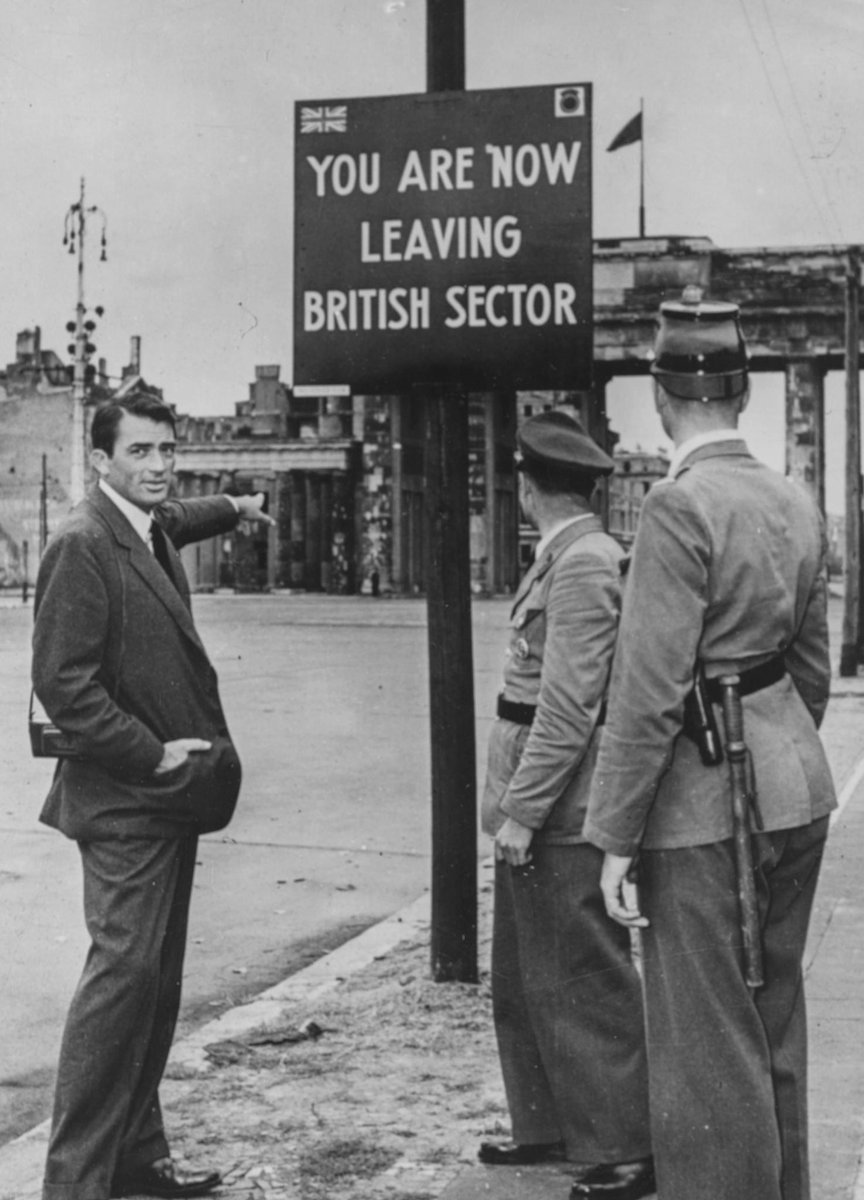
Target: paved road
{"points": [[327, 698]]}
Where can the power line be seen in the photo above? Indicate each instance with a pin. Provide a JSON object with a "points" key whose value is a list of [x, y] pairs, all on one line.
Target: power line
{"points": [[802, 119], [780, 110]]}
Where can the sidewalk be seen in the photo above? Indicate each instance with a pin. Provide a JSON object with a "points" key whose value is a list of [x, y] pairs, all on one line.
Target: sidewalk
{"points": [[390, 1100]]}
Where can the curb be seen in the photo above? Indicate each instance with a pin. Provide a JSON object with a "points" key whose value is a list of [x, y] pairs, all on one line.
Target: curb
{"points": [[22, 1160]]}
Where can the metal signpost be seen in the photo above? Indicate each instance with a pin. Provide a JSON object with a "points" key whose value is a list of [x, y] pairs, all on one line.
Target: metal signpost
{"points": [[443, 245]]}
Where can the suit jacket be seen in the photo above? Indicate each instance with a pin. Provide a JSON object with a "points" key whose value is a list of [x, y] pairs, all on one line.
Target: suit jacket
{"points": [[727, 568], [119, 667], [563, 626]]}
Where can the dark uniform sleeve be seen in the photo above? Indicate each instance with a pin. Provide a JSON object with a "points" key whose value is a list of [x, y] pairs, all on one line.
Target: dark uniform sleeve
{"points": [[581, 624], [661, 624], [808, 659]]}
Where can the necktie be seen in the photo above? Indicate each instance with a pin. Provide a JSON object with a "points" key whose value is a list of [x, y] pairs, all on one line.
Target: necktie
{"points": [[160, 550]]}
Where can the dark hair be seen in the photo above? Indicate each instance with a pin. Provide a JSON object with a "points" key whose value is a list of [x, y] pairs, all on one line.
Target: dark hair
{"points": [[560, 480], [103, 432]]}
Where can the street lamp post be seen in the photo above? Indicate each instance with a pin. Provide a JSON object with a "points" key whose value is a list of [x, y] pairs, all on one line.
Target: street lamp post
{"points": [[74, 236]]}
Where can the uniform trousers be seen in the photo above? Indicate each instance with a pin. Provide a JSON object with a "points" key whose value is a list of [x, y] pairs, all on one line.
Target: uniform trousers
{"points": [[568, 1010], [728, 1065], [107, 1120]]}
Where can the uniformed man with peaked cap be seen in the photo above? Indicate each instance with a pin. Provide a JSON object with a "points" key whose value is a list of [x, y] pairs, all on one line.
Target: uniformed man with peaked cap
{"points": [[727, 575], [566, 997]]}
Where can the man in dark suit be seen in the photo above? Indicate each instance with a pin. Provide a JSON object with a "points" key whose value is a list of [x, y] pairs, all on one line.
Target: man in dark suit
{"points": [[120, 669], [727, 576], [565, 993]]}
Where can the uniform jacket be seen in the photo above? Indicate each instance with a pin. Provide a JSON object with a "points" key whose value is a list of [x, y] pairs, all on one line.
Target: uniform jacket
{"points": [[118, 666], [727, 568], [563, 627]]}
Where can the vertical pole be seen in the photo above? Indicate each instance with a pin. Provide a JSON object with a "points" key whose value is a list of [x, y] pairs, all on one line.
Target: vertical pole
{"points": [[453, 945], [25, 562], [852, 590], [76, 471], [491, 409], [43, 507], [642, 168]]}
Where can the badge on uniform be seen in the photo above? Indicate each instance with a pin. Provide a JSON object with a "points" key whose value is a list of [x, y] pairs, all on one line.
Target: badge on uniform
{"points": [[521, 648]]}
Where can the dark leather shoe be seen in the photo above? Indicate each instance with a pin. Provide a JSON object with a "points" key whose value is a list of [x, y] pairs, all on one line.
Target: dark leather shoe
{"points": [[615, 1181], [162, 1178], [520, 1154]]}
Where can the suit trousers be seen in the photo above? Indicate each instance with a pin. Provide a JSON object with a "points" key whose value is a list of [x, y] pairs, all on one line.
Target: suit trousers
{"points": [[107, 1120], [568, 1009], [728, 1066]]}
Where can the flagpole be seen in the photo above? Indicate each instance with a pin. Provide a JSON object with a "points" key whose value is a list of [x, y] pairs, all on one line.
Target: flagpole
{"points": [[642, 170]]}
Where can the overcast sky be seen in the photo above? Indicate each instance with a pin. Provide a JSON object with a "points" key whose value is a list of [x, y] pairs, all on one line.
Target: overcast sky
{"points": [[179, 115]]}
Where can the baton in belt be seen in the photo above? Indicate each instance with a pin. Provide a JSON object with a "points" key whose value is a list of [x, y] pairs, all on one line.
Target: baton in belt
{"points": [[742, 798]]}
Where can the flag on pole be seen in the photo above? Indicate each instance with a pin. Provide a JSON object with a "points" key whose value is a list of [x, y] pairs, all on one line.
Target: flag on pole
{"points": [[632, 132]]}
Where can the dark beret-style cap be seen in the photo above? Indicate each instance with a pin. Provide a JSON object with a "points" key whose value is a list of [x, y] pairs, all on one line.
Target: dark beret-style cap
{"points": [[700, 353], [557, 440]]}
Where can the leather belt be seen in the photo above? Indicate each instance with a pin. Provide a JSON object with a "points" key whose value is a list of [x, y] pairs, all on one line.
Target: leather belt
{"points": [[751, 681], [523, 714]]}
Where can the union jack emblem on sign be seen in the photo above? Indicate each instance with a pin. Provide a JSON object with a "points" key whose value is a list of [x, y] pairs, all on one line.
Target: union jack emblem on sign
{"points": [[324, 120]]}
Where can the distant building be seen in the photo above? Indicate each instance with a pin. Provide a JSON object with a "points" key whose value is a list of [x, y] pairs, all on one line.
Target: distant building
{"points": [[635, 472], [344, 480], [343, 476], [35, 437], [36, 425], [305, 454]]}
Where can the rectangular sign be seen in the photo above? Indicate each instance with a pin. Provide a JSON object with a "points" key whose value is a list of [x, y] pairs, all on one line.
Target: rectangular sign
{"points": [[321, 389], [445, 238]]}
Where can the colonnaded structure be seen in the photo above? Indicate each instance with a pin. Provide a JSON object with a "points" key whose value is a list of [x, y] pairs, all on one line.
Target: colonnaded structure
{"points": [[344, 474]]}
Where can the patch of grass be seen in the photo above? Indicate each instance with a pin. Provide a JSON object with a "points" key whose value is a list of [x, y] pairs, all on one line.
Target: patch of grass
{"points": [[340, 1161]]}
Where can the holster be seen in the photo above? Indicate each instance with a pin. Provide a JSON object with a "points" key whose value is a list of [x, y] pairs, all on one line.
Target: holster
{"points": [[700, 722]]}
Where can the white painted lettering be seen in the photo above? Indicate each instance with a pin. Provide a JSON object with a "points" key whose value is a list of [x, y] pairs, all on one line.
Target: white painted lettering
{"points": [[343, 176], [392, 234], [419, 305], [565, 298], [440, 162], [364, 309], [464, 164], [517, 291], [319, 166], [508, 237], [412, 173], [456, 237], [417, 244], [492, 315], [443, 234], [512, 304], [370, 173], [539, 304], [558, 163], [561, 161], [313, 312], [502, 165], [453, 296], [396, 297], [527, 165], [367, 255], [336, 302]]}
